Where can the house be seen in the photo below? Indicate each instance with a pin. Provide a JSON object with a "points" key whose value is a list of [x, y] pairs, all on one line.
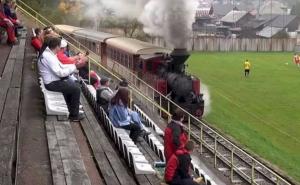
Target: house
{"points": [[220, 10], [280, 24], [236, 18]]}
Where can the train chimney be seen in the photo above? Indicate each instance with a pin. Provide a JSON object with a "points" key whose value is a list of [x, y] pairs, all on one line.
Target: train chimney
{"points": [[179, 56]]}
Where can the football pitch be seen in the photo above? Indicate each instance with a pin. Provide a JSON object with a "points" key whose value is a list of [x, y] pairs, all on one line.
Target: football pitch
{"points": [[262, 111]]}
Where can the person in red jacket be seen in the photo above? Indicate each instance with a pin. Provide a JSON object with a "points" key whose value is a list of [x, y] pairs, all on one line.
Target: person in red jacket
{"points": [[9, 26], [174, 136], [36, 41], [177, 170]]}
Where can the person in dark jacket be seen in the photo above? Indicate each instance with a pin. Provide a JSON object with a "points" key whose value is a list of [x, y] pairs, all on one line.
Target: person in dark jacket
{"points": [[104, 94], [177, 170], [174, 136]]}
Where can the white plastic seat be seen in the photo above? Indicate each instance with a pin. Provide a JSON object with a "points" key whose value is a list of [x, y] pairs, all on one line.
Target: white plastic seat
{"points": [[143, 168], [92, 90]]}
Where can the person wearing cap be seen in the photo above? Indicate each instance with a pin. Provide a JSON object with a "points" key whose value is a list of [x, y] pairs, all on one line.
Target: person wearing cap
{"points": [[104, 93], [63, 58]]}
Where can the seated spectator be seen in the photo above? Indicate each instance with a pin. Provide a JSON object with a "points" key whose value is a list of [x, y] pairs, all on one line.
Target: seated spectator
{"points": [[48, 32], [122, 117], [9, 26], [55, 76], [64, 59], [80, 60], [177, 170], [36, 41], [104, 94], [9, 11], [123, 83], [174, 136]]}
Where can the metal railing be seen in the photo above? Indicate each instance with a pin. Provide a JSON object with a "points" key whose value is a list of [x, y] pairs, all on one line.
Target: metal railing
{"points": [[135, 80]]}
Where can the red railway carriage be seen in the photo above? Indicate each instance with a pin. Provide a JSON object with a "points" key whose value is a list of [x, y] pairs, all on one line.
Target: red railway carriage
{"points": [[161, 68]]}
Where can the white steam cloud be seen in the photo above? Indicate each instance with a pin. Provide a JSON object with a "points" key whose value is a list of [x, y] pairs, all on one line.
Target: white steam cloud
{"points": [[171, 19], [207, 101]]}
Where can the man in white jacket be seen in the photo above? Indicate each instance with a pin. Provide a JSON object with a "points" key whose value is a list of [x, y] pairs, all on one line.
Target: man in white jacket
{"points": [[55, 76]]}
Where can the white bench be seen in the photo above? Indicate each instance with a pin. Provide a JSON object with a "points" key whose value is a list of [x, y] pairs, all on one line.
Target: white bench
{"points": [[131, 153], [55, 102]]}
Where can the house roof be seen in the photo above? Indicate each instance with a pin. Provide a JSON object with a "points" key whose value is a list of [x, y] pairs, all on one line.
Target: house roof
{"points": [[233, 16], [260, 21], [223, 9], [269, 32], [282, 21]]}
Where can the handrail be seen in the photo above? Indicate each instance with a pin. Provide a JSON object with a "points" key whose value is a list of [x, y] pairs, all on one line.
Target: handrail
{"points": [[134, 88]]}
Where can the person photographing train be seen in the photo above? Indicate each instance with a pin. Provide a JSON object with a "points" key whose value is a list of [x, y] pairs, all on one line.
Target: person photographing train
{"points": [[175, 136], [178, 167]]}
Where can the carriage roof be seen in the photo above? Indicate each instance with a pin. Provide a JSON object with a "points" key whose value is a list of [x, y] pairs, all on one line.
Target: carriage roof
{"points": [[85, 33], [135, 47]]}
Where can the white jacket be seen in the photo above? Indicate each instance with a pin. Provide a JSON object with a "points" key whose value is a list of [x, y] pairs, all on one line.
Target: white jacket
{"points": [[51, 69]]}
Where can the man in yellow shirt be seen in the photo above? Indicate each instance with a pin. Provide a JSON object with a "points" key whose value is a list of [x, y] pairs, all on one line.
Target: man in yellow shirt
{"points": [[247, 66]]}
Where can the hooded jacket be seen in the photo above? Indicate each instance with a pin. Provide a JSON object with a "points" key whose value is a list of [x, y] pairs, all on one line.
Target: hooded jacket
{"points": [[174, 138], [178, 166]]}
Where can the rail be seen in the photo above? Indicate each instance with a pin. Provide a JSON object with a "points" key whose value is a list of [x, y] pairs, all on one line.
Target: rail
{"points": [[235, 150]]}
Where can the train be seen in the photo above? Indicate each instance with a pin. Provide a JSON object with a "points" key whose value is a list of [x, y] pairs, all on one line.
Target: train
{"points": [[162, 68]]}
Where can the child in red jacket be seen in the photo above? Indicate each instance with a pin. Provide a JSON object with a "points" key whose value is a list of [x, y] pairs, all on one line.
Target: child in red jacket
{"points": [[174, 136], [178, 166]]}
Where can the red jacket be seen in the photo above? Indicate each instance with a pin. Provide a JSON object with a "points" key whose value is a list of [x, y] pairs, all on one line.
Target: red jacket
{"points": [[178, 166], [64, 59], [36, 43], [174, 138]]}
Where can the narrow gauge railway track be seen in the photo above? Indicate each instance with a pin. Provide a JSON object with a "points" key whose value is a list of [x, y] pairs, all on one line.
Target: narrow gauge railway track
{"points": [[235, 164]]}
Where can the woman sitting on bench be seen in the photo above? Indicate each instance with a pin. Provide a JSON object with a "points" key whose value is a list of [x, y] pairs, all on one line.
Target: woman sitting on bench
{"points": [[122, 117]]}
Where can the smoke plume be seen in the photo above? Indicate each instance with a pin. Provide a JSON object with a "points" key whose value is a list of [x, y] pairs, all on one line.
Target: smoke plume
{"points": [[171, 19]]}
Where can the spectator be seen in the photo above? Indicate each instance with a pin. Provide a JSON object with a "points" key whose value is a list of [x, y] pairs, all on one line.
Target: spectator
{"points": [[64, 59], [123, 83], [174, 136], [55, 76], [122, 117], [177, 170], [9, 26], [104, 93], [9, 11], [36, 41]]}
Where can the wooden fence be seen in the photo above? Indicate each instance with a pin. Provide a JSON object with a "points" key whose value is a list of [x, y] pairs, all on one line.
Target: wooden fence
{"points": [[223, 44]]}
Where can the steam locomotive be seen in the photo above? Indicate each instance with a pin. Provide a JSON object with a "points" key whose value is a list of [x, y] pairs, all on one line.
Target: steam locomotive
{"points": [[161, 68]]}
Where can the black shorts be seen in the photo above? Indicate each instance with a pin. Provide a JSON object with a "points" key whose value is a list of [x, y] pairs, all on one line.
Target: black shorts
{"points": [[247, 70]]}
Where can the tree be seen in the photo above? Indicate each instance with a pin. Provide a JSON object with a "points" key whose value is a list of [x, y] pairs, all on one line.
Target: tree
{"points": [[128, 26], [296, 9]]}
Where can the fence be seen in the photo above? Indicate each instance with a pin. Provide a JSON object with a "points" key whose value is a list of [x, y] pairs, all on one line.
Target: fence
{"points": [[238, 44]]}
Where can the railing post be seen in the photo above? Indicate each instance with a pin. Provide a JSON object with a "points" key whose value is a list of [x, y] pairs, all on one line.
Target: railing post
{"points": [[231, 165], [153, 96], [160, 112], [130, 94], [189, 124], [215, 152], [253, 172], [89, 62], [201, 139]]}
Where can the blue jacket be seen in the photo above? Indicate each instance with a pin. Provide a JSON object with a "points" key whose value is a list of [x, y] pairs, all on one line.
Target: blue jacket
{"points": [[119, 115]]}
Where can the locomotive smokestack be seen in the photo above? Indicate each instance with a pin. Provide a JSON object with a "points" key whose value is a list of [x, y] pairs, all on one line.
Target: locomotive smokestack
{"points": [[179, 56]]}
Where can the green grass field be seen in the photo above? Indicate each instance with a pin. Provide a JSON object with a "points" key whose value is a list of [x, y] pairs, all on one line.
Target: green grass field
{"points": [[261, 112]]}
